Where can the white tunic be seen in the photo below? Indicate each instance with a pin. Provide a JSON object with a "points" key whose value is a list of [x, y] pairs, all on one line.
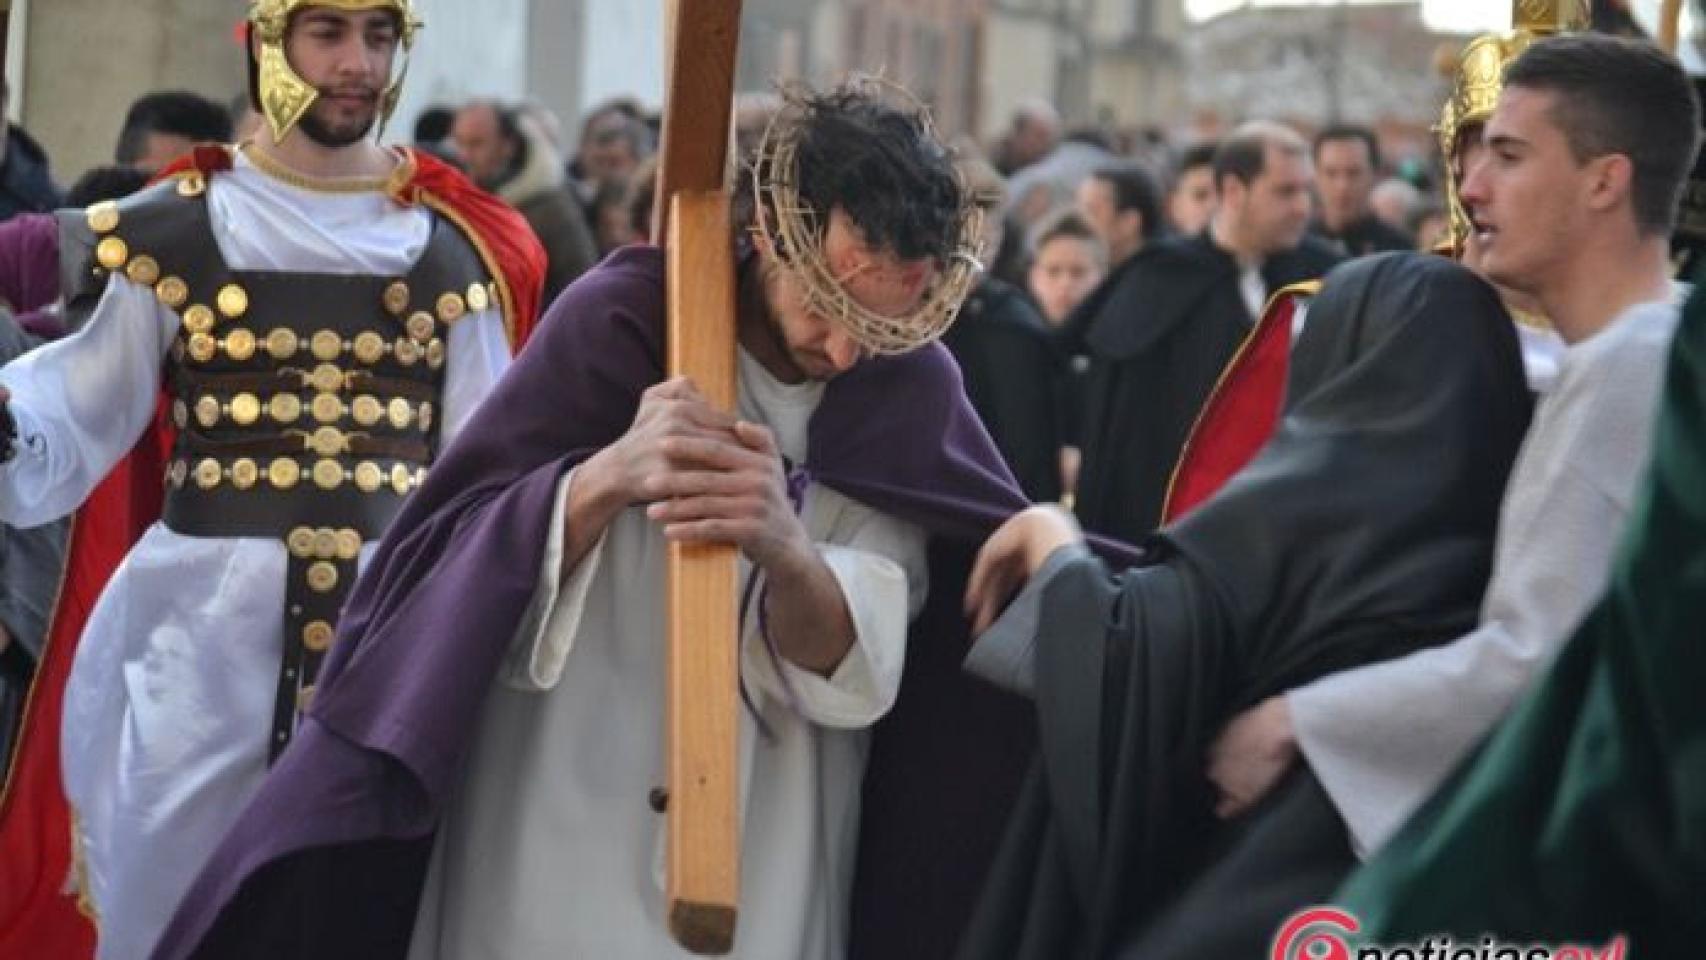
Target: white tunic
{"points": [[169, 703], [1383, 737], [550, 849], [1542, 352]]}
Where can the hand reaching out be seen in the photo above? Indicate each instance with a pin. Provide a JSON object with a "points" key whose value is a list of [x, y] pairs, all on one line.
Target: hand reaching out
{"points": [[1011, 556]]}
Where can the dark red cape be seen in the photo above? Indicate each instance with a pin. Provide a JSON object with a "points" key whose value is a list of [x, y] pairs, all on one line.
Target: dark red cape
{"points": [[39, 915]]}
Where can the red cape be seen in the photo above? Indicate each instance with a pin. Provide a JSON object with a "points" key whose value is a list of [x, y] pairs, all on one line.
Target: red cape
{"points": [[1242, 410], [39, 912]]}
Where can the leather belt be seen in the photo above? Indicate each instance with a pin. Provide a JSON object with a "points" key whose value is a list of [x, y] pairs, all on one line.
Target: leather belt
{"points": [[229, 512], [316, 586], [325, 441], [324, 531], [295, 379]]}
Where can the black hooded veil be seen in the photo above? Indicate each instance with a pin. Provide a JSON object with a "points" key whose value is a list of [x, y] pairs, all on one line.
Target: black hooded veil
{"points": [[1363, 530]]}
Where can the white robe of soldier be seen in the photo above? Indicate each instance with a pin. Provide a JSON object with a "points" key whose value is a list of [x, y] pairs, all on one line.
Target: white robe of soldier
{"points": [[1383, 737], [550, 850], [169, 705]]}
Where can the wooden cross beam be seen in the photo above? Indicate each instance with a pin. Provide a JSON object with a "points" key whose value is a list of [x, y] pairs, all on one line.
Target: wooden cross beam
{"points": [[701, 740]]}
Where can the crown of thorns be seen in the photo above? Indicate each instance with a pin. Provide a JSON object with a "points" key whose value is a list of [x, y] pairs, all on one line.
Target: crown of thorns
{"points": [[795, 233]]}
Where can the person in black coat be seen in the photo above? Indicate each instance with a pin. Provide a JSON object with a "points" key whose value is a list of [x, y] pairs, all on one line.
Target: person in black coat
{"points": [[1012, 376], [1160, 329], [1008, 358], [25, 183], [1363, 530], [1122, 203], [1347, 163]]}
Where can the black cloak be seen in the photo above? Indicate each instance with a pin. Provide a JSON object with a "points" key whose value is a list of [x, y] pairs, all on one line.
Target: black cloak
{"points": [[1013, 378], [1362, 531], [1367, 235], [1158, 332]]}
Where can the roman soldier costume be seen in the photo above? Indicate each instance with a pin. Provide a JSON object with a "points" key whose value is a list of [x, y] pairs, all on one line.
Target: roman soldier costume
{"points": [[270, 365]]}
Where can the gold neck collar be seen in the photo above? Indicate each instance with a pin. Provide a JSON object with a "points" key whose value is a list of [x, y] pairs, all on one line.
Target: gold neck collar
{"points": [[389, 184], [1524, 318]]}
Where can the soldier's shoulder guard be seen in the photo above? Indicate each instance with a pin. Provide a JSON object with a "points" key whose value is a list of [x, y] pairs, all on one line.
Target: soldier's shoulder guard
{"points": [[157, 237]]}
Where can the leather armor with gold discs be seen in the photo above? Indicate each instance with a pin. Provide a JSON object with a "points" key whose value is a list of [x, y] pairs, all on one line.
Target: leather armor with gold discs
{"points": [[306, 406]]}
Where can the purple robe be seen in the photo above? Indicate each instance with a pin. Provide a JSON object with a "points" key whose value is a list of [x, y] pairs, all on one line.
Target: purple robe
{"points": [[29, 272], [328, 858]]}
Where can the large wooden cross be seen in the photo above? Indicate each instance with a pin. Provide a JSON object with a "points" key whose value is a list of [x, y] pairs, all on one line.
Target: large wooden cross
{"points": [[691, 213]]}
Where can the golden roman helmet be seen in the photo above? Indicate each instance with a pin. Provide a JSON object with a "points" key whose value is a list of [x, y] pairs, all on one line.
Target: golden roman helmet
{"points": [[1479, 78], [283, 94]]}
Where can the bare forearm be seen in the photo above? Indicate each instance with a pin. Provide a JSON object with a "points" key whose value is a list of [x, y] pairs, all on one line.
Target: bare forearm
{"points": [[594, 501], [807, 613]]}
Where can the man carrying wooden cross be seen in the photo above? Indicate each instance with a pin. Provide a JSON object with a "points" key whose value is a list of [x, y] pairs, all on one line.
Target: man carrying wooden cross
{"points": [[500, 677]]}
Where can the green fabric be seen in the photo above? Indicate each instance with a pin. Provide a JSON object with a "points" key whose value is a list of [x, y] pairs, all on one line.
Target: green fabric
{"points": [[1584, 815]]}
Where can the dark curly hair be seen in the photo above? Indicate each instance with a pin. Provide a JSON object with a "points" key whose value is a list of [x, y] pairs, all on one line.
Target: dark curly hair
{"points": [[881, 164]]}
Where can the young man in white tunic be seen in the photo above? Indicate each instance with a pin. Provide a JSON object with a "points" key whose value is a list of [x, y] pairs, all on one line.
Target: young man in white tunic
{"points": [[550, 849], [170, 706], [1573, 200]]}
